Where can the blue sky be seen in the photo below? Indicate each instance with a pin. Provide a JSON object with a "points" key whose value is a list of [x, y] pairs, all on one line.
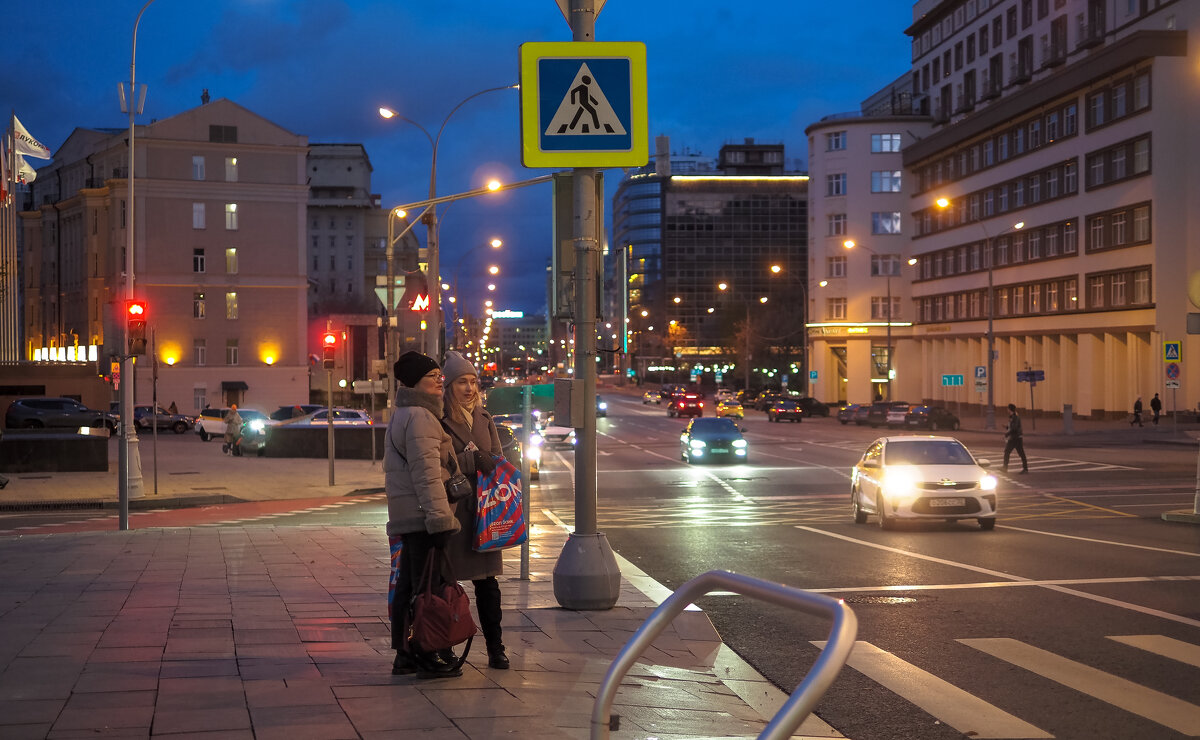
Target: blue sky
{"points": [[718, 72]]}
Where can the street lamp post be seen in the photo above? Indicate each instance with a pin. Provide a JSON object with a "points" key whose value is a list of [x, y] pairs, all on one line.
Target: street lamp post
{"points": [[494, 244], [430, 218], [989, 419], [850, 244]]}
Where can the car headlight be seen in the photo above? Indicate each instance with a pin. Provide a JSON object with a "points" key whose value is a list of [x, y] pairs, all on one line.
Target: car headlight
{"points": [[897, 483], [604, 407], [535, 440], [257, 425], [534, 453], [987, 483], [739, 443], [697, 444]]}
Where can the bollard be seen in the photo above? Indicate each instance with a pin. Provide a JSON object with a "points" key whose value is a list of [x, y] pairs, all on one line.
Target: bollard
{"points": [[1068, 427]]}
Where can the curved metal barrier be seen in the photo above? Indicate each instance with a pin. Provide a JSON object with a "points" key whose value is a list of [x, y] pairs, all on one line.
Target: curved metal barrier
{"points": [[803, 699]]}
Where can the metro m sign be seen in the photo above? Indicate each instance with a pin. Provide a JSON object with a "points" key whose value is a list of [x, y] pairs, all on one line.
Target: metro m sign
{"points": [[420, 303]]}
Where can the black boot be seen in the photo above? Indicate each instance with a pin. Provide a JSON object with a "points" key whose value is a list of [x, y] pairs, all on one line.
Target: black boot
{"points": [[497, 657], [403, 665], [430, 665]]}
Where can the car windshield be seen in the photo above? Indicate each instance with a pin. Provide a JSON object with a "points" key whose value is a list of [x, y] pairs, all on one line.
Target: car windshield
{"points": [[927, 452], [251, 415], [713, 426]]}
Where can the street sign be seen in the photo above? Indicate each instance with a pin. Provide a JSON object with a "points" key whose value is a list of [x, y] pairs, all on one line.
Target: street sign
{"points": [[980, 371], [1172, 351], [1172, 371], [812, 374], [583, 104], [952, 380], [1173, 384], [1031, 376], [980, 385]]}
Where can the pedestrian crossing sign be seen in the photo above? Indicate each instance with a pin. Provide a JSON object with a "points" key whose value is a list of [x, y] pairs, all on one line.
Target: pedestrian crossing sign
{"points": [[583, 104], [1172, 351]]}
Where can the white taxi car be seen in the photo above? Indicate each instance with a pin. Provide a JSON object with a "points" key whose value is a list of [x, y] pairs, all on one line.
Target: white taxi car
{"points": [[917, 477]]}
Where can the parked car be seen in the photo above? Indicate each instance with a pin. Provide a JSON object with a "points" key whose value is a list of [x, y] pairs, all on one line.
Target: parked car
{"points": [[921, 478], [211, 422], [877, 414], [812, 407], [283, 413], [846, 413], [785, 411], [710, 439], [687, 404], [341, 418], [747, 398], [513, 424], [143, 418], [766, 398], [861, 414], [723, 394], [930, 417], [652, 397], [896, 414], [601, 408], [39, 412], [730, 408]]}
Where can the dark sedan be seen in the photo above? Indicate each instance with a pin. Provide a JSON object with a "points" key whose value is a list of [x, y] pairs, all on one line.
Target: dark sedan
{"points": [[785, 411], [930, 417], [712, 438], [687, 404], [846, 413], [812, 407]]}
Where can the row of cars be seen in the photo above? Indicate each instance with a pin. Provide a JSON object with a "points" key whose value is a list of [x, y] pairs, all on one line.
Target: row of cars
{"points": [[778, 406], [898, 415]]}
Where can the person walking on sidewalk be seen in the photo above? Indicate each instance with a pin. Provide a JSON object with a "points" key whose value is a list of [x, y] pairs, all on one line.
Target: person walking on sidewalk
{"points": [[1137, 413], [1155, 408], [1014, 439], [416, 455], [233, 430], [475, 440]]}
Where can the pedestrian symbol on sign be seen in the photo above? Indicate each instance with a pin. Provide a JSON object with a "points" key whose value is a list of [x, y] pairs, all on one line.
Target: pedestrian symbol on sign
{"points": [[1171, 351], [585, 110]]}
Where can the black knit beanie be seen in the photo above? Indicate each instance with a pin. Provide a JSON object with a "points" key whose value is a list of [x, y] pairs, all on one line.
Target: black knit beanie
{"points": [[412, 366]]}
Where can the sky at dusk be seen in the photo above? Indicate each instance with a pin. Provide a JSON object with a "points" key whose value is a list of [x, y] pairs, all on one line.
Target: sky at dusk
{"points": [[718, 72]]}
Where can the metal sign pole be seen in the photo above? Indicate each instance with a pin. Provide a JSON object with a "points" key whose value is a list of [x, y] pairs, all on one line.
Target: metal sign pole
{"points": [[526, 423], [329, 422]]}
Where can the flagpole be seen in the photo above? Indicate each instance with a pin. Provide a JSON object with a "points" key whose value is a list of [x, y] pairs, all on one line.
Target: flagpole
{"points": [[9, 336]]}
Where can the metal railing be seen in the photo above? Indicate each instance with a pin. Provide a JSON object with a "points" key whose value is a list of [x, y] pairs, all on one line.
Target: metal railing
{"points": [[803, 699]]}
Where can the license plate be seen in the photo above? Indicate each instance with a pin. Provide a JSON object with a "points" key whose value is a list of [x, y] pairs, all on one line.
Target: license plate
{"points": [[718, 450], [946, 502]]}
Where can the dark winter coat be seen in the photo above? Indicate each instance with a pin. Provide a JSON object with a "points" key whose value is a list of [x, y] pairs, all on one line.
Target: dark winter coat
{"points": [[416, 459], [468, 564]]}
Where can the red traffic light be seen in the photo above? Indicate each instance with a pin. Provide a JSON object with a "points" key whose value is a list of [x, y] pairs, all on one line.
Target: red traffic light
{"points": [[329, 339], [136, 309]]}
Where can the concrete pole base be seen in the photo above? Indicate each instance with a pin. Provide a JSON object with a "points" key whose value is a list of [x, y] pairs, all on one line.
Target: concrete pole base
{"points": [[1182, 515], [586, 576]]}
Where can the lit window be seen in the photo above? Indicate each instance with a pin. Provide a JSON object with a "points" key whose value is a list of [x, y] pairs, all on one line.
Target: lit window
{"points": [[231, 261], [231, 216], [197, 168], [231, 306], [231, 169], [198, 305]]}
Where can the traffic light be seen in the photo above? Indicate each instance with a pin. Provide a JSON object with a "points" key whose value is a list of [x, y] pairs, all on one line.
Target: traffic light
{"points": [[328, 346], [135, 316]]}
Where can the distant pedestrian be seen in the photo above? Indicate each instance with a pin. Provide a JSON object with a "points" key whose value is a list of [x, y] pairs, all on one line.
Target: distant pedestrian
{"points": [[1156, 407], [1014, 439], [1137, 413], [172, 409], [233, 430]]}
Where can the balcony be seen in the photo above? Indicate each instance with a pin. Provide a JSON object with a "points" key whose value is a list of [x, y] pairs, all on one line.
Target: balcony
{"points": [[1053, 55], [1020, 73], [1090, 35], [990, 88], [966, 104]]}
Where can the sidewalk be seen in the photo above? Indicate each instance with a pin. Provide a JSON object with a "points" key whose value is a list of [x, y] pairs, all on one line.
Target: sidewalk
{"points": [[264, 632]]}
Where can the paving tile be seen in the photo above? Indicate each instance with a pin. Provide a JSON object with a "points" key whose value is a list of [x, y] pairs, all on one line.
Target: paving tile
{"points": [[102, 677], [398, 709], [199, 668], [689, 723], [109, 733], [209, 719], [25, 731], [265, 636], [319, 722], [125, 655], [28, 712], [485, 728], [132, 709], [252, 669], [287, 693]]}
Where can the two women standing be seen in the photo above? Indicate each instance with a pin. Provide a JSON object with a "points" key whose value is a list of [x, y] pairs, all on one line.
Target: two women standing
{"points": [[416, 463]]}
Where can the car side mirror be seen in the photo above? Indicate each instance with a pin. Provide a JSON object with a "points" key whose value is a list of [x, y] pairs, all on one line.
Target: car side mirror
{"points": [[984, 462]]}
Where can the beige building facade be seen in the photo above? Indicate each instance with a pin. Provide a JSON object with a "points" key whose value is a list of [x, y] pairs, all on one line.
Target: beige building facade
{"points": [[218, 257], [1073, 119]]}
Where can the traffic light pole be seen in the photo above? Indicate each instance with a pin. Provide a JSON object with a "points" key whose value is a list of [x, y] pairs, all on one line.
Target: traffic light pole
{"points": [[586, 575], [329, 422]]}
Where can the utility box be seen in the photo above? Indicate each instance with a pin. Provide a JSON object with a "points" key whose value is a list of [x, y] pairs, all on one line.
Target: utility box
{"points": [[568, 403]]}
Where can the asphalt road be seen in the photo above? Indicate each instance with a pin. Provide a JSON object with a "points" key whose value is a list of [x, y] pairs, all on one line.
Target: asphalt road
{"points": [[1078, 617]]}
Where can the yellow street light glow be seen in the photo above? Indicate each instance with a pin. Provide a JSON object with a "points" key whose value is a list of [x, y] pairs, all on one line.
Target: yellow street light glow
{"points": [[823, 283], [762, 300], [848, 244], [672, 322], [776, 269], [711, 309], [386, 113], [170, 360], [722, 285], [677, 299], [496, 243], [942, 202], [488, 304], [491, 286], [494, 269], [645, 312], [269, 359], [1019, 225], [401, 213], [493, 185], [445, 286], [912, 261], [453, 299]]}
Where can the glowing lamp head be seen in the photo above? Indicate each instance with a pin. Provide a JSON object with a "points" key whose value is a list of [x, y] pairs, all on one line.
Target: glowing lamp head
{"points": [[328, 339]]}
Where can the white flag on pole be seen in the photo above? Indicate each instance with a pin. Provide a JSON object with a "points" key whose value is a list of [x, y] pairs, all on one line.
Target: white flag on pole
{"points": [[26, 144], [25, 173]]}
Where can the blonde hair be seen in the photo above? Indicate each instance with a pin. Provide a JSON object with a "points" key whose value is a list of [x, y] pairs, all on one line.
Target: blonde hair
{"points": [[465, 410]]}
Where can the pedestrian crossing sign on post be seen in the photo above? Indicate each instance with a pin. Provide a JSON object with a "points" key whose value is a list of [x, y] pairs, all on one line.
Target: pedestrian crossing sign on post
{"points": [[583, 104]]}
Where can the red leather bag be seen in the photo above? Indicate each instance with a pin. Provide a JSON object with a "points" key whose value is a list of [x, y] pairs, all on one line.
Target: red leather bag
{"points": [[440, 616]]}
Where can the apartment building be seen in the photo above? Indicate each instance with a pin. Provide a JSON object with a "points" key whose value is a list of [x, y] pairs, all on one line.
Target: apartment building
{"points": [[1060, 152]]}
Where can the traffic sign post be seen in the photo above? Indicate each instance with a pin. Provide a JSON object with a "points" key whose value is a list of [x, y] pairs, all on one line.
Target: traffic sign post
{"points": [[952, 381]]}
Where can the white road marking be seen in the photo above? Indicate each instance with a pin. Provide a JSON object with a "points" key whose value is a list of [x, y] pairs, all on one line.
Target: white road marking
{"points": [[1102, 542], [1005, 576], [1154, 705], [1001, 584], [1168, 647], [961, 710]]}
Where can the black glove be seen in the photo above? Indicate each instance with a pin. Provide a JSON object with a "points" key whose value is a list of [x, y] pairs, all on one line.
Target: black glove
{"points": [[484, 463], [440, 539]]}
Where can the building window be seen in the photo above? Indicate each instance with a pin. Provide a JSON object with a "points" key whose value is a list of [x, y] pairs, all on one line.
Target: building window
{"points": [[1070, 178], [837, 224], [231, 351], [1035, 245], [1141, 156], [1096, 233], [200, 398], [1070, 295], [835, 309], [231, 305], [199, 352], [1052, 297], [1120, 234], [1035, 299], [1141, 91], [1141, 224], [835, 267], [198, 310], [879, 308], [1141, 287], [1051, 127], [1118, 290], [835, 141], [1095, 292], [835, 184], [1002, 251], [197, 168], [885, 223], [1070, 120], [231, 169], [1035, 188], [198, 260], [885, 264], [222, 134], [197, 215], [231, 261], [231, 217], [885, 181], [885, 143], [1070, 238]]}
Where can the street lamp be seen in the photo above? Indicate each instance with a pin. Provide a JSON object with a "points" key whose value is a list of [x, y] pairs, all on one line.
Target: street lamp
{"points": [[431, 240], [775, 270], [492, 269], [850, 244], [989, 419]]}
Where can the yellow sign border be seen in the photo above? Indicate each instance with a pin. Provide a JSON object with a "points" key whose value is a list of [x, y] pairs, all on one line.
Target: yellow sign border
{"points": [[1178, 351], [534, 51]]}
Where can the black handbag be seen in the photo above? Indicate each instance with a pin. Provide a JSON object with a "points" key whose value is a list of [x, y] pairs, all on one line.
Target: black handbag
{"points": [[458, 486]]}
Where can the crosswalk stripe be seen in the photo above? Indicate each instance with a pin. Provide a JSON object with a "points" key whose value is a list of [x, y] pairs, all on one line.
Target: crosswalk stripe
{"points": [[1168, 647], [1154, 705], [961, 710]]}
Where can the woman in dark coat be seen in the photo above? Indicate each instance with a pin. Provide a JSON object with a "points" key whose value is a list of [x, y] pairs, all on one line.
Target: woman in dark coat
{"points": [[473, 434]]}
